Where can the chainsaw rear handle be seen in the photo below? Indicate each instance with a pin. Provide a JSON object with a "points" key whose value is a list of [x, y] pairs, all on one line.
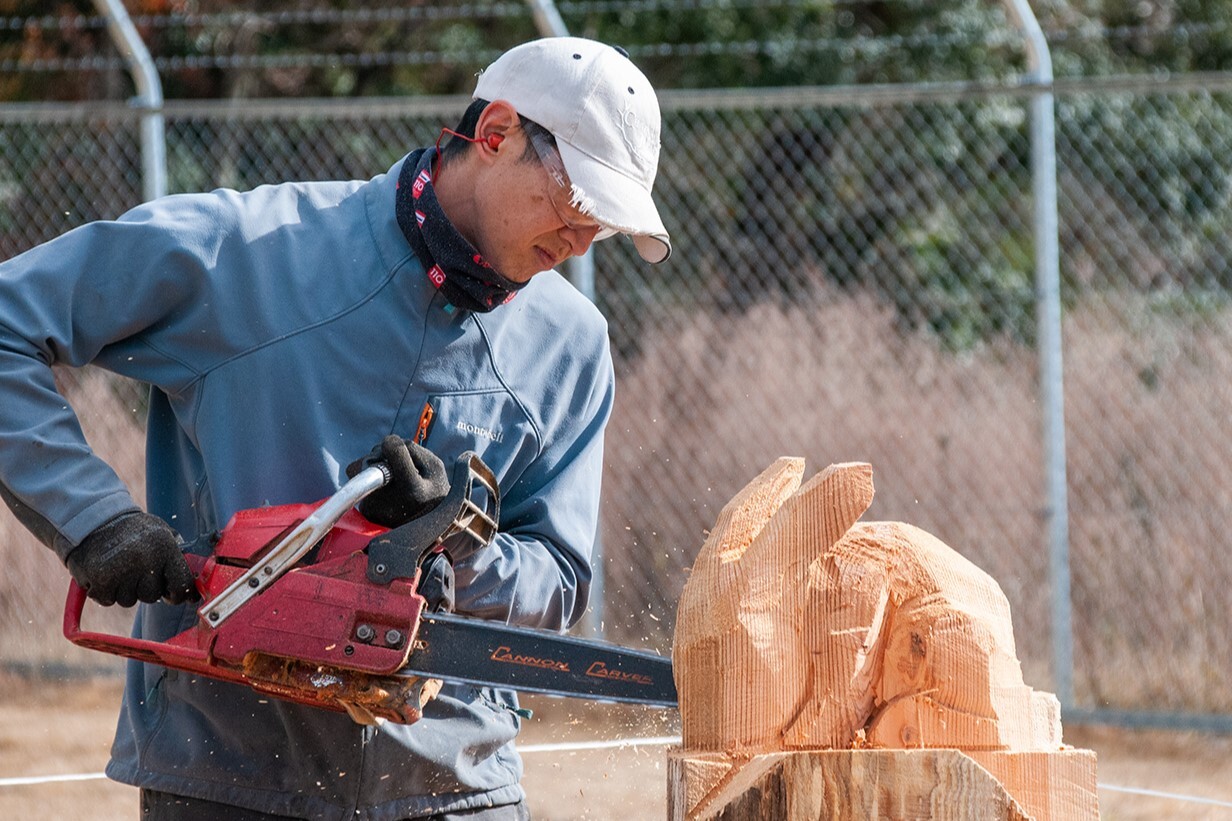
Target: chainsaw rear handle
{"points": [[397, 557], [291, 548], [277, 561], [127, 646]]}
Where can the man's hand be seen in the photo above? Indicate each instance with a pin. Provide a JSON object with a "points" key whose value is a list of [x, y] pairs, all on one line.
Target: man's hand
{"points": [[417, 482], [134, 557]]}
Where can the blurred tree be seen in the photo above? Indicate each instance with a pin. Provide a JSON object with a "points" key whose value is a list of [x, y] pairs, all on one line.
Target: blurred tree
{"points": [[355, 48], [40, 34]]}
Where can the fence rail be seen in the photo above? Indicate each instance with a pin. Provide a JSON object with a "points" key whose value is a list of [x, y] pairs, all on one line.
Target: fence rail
{"points": [[852, 280]]}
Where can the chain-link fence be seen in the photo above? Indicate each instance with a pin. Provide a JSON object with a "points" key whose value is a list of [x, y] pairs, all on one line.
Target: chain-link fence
{"points": [[853, 280]]}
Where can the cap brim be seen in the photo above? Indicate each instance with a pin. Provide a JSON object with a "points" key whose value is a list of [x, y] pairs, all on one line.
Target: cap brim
{"points": [[654, 248], [617, 202]]}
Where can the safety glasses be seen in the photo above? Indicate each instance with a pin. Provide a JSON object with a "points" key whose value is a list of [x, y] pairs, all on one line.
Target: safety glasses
{"points": [[560, 189]]}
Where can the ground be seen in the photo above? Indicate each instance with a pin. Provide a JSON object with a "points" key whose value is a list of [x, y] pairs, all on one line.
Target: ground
{"points": [[65, 727]]}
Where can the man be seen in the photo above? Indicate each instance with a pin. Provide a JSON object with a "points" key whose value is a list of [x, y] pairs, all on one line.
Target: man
{"points": [[286, 330]]}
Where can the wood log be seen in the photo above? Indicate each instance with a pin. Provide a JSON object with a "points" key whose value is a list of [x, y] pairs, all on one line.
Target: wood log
{"points": [[801, 628], [935, 784]]}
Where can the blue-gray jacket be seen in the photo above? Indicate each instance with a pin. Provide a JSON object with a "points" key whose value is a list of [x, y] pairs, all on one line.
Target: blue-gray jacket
{"points": [[284, 331]]}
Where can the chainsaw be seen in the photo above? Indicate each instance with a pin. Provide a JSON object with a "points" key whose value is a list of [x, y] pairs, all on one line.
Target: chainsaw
{"points": [[313, 603]]}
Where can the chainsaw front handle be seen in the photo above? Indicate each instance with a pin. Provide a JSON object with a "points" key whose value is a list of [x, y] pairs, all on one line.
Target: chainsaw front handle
{"points": [[471, 509], [294, 546]]}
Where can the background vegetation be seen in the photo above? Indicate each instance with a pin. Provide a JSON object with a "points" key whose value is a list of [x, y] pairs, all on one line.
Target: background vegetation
{"points": [[802, 169], [355, 48]]}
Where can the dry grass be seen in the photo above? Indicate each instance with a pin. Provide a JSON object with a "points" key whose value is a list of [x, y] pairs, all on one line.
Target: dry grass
{"points": [[1151, 504], [955, 446], [953, 441]]}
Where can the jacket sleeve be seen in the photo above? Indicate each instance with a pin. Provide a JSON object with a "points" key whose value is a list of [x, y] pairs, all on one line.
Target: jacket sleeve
{"points": [[65, 302], [537, 571]]}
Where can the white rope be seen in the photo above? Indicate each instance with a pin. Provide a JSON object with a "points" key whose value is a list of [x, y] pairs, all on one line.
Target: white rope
{"points": [[1157, 794], [666, 740], [527, 748], [578, 746], [50, 779], [581, 746]]}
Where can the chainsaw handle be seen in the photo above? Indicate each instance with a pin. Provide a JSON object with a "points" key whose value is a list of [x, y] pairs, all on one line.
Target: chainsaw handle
{"points": [[134, 648], [77, 595], [400, 552]]}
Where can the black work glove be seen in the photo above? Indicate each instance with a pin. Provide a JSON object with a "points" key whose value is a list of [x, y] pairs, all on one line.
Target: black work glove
{"points": [[135, 556], [417, 482]]}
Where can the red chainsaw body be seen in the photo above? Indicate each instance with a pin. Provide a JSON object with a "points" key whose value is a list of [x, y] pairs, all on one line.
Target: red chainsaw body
{"points": [[313, 612], [324, 616]]}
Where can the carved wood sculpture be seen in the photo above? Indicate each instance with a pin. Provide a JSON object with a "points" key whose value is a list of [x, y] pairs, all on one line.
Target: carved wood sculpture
{"points": [[802, 629]]}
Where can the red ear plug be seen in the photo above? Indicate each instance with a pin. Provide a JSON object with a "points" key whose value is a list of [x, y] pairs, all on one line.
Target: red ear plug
{"points": [[493, 140]]}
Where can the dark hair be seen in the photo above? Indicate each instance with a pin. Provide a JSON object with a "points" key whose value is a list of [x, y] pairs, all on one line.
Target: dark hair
{"points": [[455, 147]]}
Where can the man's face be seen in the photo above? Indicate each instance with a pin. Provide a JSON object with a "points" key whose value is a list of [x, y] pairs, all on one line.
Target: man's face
{"points": [[524, 220]]}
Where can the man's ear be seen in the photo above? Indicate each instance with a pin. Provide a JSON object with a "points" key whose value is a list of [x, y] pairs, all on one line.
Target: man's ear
{"points": [[499, 120]]}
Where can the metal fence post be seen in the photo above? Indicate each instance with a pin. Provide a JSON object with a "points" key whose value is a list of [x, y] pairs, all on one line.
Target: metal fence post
{"points": [[149, 96], [1048, 307]]}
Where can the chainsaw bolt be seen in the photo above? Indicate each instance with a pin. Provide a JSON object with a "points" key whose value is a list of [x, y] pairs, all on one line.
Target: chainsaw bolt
{"points": [[365, 633], [254, 582], [213, 616], [380, 569], [348, 650], [393, 637]]}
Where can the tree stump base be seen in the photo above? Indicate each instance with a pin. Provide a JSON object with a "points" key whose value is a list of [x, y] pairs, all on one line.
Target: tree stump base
{"points": [[936, 784]]}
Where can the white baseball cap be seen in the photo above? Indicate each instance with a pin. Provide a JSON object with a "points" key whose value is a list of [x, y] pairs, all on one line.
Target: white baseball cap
{"points": [[604, 115]]}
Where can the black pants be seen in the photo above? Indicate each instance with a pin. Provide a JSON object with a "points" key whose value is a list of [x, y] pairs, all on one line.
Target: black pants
{"points": [[161, 806]]}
